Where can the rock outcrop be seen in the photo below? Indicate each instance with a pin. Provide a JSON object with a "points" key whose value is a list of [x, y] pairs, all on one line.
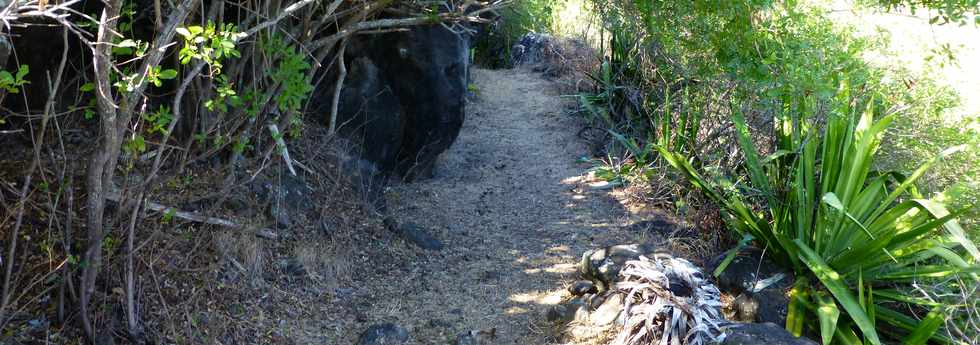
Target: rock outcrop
{"points": [[759, 286], [404, 99]]}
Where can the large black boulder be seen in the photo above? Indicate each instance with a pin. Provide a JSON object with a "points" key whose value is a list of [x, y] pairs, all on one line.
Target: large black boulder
{"points": [[371, 114], [751, 271], [404, 99]]}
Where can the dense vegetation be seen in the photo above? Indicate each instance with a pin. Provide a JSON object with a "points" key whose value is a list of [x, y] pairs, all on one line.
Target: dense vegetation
{"points": [[110, 102], [771, 112], [493, 48]]}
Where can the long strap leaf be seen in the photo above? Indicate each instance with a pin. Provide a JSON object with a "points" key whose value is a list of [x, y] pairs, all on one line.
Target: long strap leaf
{"points": [[836, 285]]}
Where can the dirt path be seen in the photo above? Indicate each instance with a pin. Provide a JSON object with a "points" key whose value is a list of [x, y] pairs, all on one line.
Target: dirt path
{"points": [[510, 204]]}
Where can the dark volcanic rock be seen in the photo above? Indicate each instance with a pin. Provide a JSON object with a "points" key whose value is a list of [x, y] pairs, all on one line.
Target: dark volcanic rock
{"points": [[404, 98], [750, 270], [415, 234], [430, 72], [533, 49], [288, 198], [383, 334], [762, 334], [760, 285], [478, 337], [566, 311], [370, 113], [602, 266], [582, 287], [773, 306]]}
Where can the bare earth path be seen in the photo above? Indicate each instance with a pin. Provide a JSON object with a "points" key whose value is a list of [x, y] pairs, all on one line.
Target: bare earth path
{"points": [[509, 202]]}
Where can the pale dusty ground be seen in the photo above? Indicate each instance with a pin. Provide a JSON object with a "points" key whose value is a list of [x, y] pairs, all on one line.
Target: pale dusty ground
{"points": [[515, 213]]}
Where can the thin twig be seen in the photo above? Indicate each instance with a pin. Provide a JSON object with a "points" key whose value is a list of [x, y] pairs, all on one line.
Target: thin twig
{"points": [[341, 75]]}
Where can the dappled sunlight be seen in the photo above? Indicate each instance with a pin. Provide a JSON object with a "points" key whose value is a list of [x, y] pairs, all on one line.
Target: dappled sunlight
{"points": [[539, 297], [563, 249], [557, 269], [515, 310]]}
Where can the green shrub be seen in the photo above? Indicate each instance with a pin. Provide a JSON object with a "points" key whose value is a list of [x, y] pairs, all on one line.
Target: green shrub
{"points": [[493, 48], [769, 109], [828, 215]]}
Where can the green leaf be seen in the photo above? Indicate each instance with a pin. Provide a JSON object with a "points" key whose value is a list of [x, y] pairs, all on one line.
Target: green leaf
{"points": [[828, 313], [732, 253], [186, 33], [797, 309], [832, 200], [954, 229], [6, 78], [895, 295], [22, 72], [168, 74], [122, 51], [927, 327], [836, 285], [927, 271], [902, 321], [759, 178], [775, 155], [127, 43], [87, 87]]}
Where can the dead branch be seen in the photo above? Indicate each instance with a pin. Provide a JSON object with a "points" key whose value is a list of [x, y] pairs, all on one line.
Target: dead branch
{"points": [[341, 75], [115, 196]]}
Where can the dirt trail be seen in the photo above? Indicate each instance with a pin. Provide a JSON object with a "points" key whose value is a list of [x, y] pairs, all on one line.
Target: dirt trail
{"points": [[511, 205]]}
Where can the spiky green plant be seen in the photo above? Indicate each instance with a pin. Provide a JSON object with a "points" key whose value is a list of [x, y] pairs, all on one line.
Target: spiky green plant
{"points": [[857, 238]]}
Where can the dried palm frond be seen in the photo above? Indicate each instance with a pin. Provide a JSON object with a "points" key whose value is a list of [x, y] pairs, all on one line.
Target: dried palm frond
{"points": [[668, 301]]}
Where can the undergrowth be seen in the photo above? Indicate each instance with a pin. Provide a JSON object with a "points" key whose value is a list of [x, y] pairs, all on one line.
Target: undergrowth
{"points": [[742, 101], [492, 48]]}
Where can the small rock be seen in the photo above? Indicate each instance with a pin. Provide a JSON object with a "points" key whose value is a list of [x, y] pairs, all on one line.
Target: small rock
{"points": [[267, 233], [564, 312], [480, 337], [594, 300], [343, 292], [295, 268], [440, 323], [602, 266], [280, 214], [609, 311], [104, 337], [582, 287], [415, 234], [288, 196], [773, 306], [489, 275], [762, 334], [746, 308], [383, 334]]}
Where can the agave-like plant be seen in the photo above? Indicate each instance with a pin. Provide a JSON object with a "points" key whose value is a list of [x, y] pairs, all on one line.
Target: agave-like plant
{"points": [[857, 238]]}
